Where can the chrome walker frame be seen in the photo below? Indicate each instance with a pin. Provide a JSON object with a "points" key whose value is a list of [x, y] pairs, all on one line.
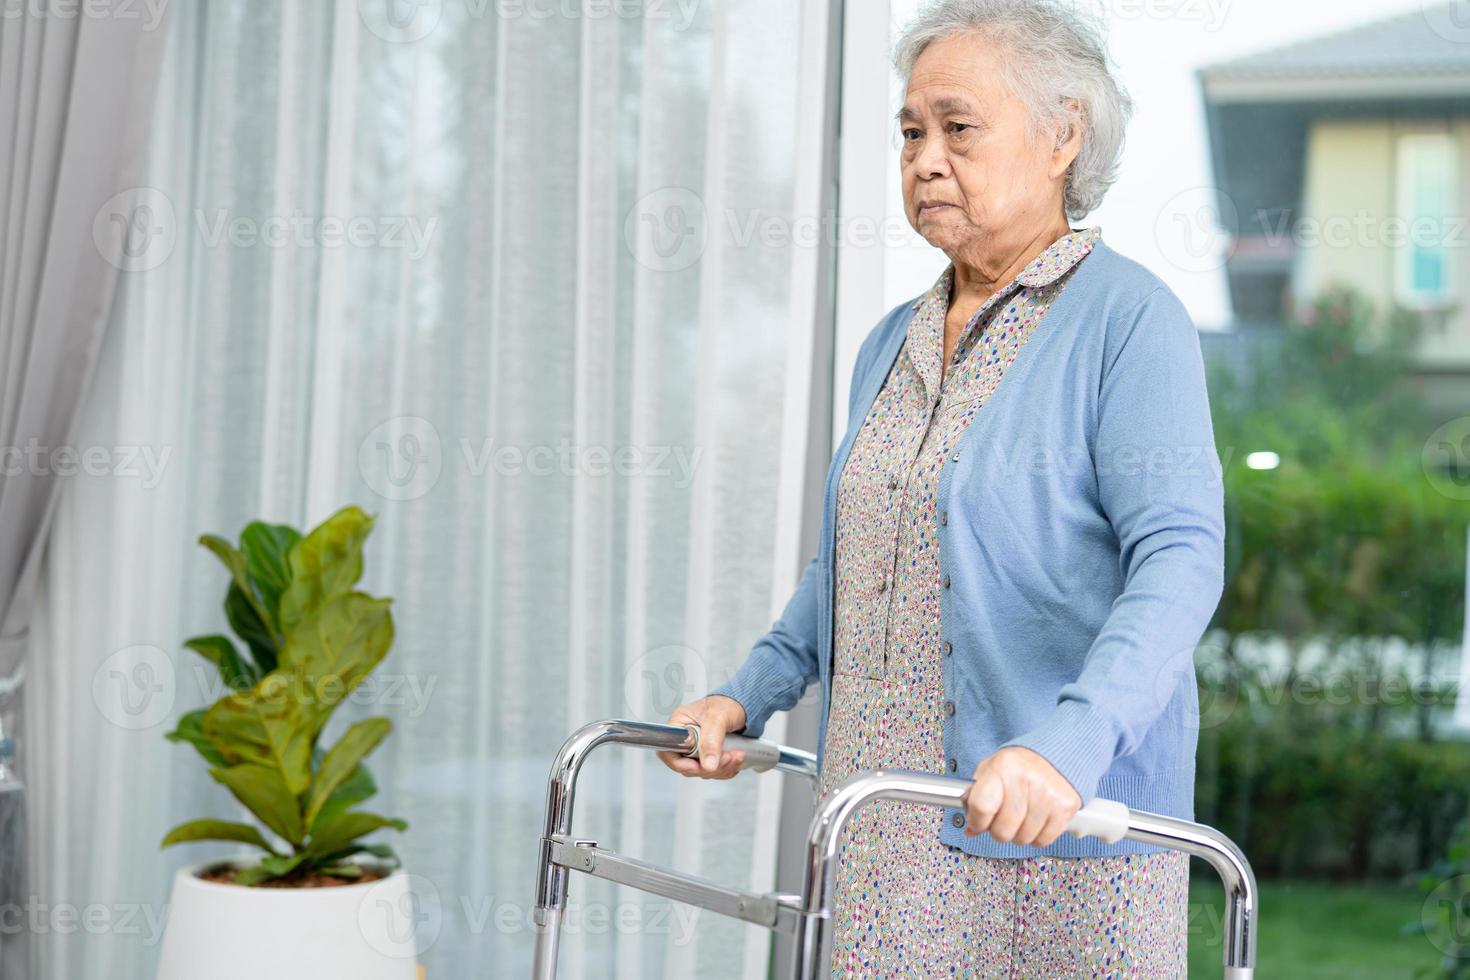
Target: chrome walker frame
{"points": [[808, 915]]}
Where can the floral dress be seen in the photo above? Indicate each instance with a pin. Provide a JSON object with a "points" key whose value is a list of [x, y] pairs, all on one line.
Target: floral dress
{"points": [[907, 904]]}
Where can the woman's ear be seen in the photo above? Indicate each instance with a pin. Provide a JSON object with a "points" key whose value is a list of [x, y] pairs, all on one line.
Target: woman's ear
{"points": [[1068, 141]]}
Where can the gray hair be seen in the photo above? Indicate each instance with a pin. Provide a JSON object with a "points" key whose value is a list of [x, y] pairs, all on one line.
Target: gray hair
{"points": [[1054, 52]]}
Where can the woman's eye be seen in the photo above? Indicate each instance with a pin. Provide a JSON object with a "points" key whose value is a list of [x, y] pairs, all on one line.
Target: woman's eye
{"points": [[957, 128], [910, 134]]}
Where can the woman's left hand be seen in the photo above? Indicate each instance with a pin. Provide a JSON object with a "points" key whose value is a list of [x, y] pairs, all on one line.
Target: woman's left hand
{"points": [[1019, 798]]}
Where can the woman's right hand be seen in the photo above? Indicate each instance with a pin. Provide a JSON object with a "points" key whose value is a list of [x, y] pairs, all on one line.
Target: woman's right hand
{"points": [[715, 715]]}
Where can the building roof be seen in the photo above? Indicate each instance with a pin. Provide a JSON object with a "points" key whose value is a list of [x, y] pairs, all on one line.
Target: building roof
{"points": [[1426, 49]]}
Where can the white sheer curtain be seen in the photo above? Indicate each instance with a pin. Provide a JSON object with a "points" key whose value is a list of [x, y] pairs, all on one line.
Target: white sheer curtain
{"points": [[549, 345]]}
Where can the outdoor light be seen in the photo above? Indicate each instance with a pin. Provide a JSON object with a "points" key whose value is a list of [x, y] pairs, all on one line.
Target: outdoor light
{"points": [[1263, 461]]}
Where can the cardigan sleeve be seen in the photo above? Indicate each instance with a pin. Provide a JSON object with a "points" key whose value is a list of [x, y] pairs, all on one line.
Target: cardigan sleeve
{"points": [[783, 662], [1159, 485]]}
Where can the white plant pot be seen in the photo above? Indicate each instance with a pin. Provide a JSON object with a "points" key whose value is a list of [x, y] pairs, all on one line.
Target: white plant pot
{"points": [[363, 930]]}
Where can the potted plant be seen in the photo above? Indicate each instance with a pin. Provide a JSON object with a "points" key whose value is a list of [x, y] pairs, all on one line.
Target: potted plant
{"points": [[320, 900]]}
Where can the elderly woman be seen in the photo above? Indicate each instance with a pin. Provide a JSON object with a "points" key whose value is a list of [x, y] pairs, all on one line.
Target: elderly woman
{"points": [[1022, 540]]}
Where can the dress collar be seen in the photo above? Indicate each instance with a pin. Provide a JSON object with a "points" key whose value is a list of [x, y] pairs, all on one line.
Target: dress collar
{"points": [[1043, 270]]}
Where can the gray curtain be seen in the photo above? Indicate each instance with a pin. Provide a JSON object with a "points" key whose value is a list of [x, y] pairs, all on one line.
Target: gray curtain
{"points": [[76, 87]]}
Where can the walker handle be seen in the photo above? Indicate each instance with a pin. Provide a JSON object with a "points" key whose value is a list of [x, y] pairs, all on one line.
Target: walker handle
{"points": [[1107, 820], [760, 755]]}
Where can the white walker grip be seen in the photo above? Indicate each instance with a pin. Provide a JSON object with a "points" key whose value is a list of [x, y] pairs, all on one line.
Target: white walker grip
{"points": [[759, 755], [1106, 820]]}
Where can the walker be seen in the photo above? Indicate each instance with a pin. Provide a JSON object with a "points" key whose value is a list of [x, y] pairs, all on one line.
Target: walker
{"points": [[807, 915]]}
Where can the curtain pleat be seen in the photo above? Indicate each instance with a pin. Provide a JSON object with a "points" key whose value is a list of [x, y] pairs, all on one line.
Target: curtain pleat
{"points": [[556, 372]]}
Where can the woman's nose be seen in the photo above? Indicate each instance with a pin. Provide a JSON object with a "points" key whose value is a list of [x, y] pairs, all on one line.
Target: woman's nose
{"points": [[931, 159]]}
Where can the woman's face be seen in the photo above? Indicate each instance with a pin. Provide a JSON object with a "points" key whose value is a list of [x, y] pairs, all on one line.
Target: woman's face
{"points": [[973, 180]]}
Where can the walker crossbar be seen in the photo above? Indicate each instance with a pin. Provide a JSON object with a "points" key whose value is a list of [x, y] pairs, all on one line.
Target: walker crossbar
{"points": [[808, 915]]}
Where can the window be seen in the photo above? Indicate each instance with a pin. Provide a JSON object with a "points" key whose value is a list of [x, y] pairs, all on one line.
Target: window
{"points": [[1427, 201]]}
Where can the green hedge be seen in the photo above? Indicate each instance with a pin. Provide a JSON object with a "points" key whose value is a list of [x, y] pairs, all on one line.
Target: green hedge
{"points": [[1344, 566]]}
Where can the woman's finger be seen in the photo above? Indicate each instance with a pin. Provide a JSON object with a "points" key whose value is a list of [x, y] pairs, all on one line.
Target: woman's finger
{"points": [[982, 802], [1055, 826], [1037, 815], [1012, 813]]}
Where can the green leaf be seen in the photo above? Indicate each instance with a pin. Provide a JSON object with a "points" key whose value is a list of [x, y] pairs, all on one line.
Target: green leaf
{"points": [[358, 787], [267, 550], [343, 871], [238, 673], [265, 794], [339, 763], [335, 648], [191, 730], [325, 563], [267, 725], [234, 560], [244, 616], [269, 868], [337, 833], [196, 830], [383, 852]]}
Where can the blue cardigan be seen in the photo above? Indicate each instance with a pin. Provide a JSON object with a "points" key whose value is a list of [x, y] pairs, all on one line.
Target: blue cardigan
{"points": [[1081, 546]]}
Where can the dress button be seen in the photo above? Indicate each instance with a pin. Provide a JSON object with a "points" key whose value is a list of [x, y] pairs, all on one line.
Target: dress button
{"points": [[883, 584], [946, 581], [944, 517], [893, 483], [953, 765], [948, 648], [949, 707], [958, 819]]}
